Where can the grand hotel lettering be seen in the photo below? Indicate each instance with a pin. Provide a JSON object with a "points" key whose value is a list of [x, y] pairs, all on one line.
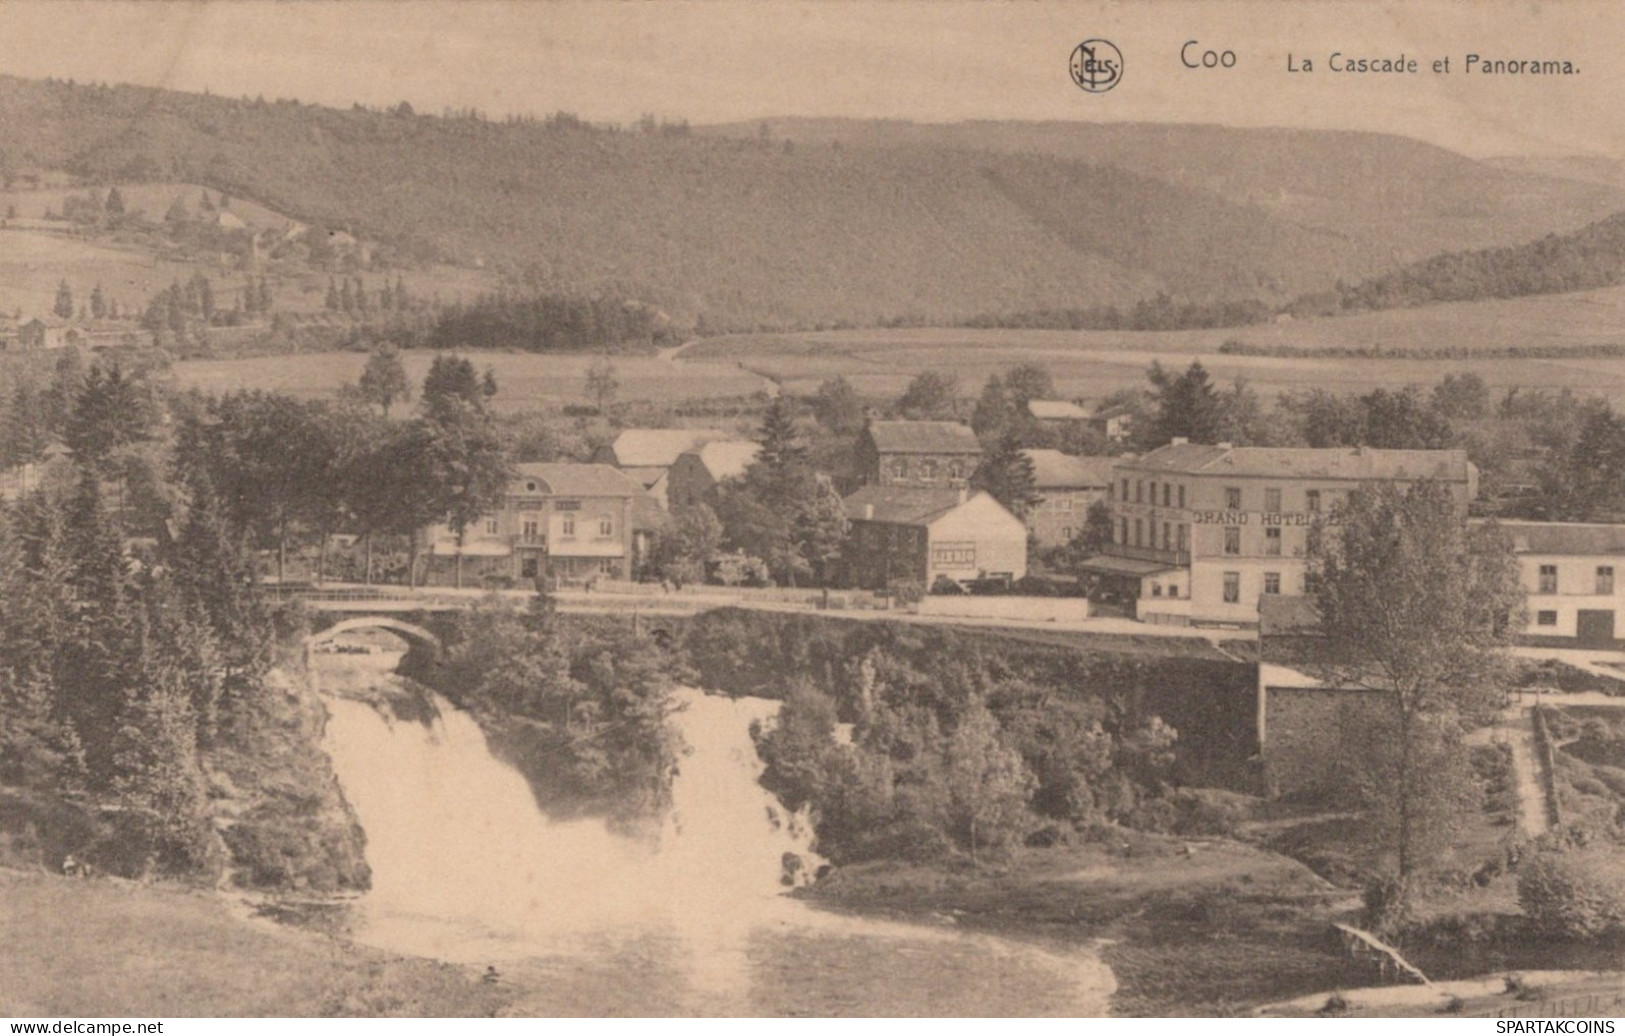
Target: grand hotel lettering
{"points": [[1278, 518]]}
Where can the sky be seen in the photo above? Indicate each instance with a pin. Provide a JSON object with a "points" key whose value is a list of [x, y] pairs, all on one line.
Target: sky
{"points": [[728, 60]]}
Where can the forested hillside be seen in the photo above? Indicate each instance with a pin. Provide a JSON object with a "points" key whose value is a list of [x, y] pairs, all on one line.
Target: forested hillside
{"points": [[748, 230], [1591, 257]]}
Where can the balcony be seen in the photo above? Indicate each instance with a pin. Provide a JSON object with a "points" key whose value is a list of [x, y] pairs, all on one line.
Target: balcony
{"points": [[1178, 558]]}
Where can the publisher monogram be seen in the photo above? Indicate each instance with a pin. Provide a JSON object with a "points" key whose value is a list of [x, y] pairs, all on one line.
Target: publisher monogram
{"points": [[1097, 65]]}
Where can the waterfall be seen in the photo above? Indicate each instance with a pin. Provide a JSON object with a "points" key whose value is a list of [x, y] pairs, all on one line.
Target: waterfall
{"points": [[467, 869], [463, 859]]}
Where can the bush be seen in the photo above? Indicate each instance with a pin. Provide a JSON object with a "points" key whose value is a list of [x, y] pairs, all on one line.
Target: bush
{"points": [[1575, 895]]}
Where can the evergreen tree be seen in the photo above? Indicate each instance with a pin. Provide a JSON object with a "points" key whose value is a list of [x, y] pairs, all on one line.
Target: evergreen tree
{"points": [[98, 302], [64, 301], [1188, 406], [383, 381], [1006, 472], [115, 202]]}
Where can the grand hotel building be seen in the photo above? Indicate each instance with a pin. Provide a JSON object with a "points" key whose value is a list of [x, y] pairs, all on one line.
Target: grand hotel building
{"points": [[1201, 532]]}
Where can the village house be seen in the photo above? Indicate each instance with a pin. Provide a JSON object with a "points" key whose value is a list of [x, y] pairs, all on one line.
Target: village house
{"points": [[698, 472], [912, 534], [1069, 486], [647, 455], [1200, 533], [567, 521], [1568, 571], [1115, 423], [1058, 415], [926, 454], [47, 334]]}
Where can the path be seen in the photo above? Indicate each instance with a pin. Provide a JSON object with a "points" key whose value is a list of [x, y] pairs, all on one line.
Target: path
{"points": [[673, 354]]}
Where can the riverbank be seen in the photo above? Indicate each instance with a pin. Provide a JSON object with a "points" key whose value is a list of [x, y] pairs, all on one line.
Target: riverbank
{"points": [[1189, 927], [101, 947]]}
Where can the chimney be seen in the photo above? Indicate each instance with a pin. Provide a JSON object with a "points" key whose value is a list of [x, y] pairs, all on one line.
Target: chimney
{"points": [[868, 512], [1178, 440]]}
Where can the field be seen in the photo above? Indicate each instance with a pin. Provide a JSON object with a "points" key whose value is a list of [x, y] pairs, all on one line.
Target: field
{"points": [[524, 380], [32, 264], [1090, 364]]}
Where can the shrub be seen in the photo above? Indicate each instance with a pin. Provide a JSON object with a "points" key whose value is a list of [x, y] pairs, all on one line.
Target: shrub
{"points": [[1576, 895]]}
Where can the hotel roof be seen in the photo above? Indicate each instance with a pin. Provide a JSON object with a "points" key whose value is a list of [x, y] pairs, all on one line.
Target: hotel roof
{"points": [[923, 437], [1353, 462], [1576, 538]]}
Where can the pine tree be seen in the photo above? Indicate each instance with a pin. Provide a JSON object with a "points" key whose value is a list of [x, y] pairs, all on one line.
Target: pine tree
{"points": [[1006, 472], [98, 302], [64, 301]]}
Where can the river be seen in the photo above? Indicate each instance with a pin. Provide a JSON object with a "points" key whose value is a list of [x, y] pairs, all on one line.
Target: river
{"points": [[466, 869]]}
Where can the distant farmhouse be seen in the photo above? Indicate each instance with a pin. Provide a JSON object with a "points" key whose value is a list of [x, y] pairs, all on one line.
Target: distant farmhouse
{"points": [[695, 476], [647, 455], [920, 535], [1057, 414], [924, 454]]}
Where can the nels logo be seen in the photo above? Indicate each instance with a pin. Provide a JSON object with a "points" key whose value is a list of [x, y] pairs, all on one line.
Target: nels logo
{"points": [[1096, 65]]}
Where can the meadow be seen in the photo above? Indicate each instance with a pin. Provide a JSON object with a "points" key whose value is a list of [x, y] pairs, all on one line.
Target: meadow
{"points": [[1090, 364], [524, 380]]}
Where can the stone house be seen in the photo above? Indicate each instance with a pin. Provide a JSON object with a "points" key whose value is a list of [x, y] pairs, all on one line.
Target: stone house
{"points": [[1069, 486], [923, 454], [695, 476]]}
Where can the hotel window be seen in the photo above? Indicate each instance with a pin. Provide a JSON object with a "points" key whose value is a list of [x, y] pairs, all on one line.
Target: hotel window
{"points": [[1167, 536], [1232, 498], [1312, 500], [1152, 496], [1122, 531], [1139, 532], [568, 526], [1111, 490], [1272, 582], [1605, 579], [1272, 500], [1167, 494], [1272, 541], [1545, 618], [1184, 536], [1548, 579], [491, 526], [606, 527], [1232, 587], [1232, 539], [1139, 492], [531, 527], [1125, 491], [1181, 496], [928, 470], [1156, 589]]}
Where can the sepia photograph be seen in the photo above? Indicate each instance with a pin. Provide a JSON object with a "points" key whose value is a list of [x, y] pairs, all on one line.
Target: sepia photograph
{"points": [[811, 509]]}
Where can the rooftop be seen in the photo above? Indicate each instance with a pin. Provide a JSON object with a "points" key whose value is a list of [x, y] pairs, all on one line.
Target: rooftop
{"points": [[728, 458], [1056, 410], [1354, 462], [659, 447], [901, 505], [923, 437], [1053, 469], [578, 480], [1577, 538]]}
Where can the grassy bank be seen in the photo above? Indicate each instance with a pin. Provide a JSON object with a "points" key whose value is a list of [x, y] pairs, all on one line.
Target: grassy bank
{"points": [[94, 948], [1189, 928]]}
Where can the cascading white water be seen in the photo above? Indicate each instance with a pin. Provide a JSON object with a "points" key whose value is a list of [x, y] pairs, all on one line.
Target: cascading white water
{"points": [[466, 868]]}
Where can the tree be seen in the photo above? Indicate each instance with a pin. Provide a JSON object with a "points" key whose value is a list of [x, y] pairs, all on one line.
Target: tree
{"points": [[837, 406], [383, 380], [1416, 606], [1006, 472], [98, 302], [1029, 381], [1461, 397], [930, 396], [601, 382], [64, 301], [988, 784], [450, 385], [695, 536], [115, 202], [1188, 406]]}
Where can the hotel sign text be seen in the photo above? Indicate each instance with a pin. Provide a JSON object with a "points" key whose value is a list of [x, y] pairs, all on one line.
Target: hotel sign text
{"points": [[1275, 518]]}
